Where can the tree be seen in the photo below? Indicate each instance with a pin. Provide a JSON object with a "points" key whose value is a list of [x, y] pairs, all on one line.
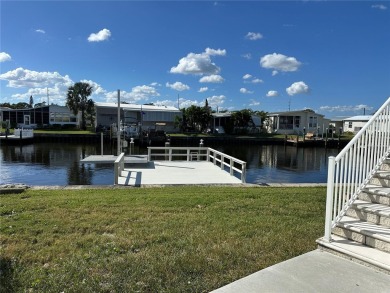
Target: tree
{"points": [[21, 105], [77, 100], [91, 111], [197, 118], [242, 118], [31, 101]]}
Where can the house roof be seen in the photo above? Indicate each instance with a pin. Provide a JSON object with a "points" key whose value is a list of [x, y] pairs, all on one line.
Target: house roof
{"points": [[294, 113], [359, 118], [135, 107]]}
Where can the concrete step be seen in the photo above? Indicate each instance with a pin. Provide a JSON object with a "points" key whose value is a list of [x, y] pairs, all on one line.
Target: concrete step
{"points": [[357, 251], [364, 232], [381, 178], [386, 165], [371, 212], [376, 194]]}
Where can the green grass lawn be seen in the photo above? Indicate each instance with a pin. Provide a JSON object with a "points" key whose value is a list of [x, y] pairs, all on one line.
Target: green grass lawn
{"points": [[172, 239], [71, 131]]}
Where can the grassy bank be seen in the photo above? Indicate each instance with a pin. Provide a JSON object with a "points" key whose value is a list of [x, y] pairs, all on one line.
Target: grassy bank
{"points": [[179, 239]]}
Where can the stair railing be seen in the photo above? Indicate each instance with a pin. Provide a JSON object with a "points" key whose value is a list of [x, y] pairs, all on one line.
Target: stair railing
{"points": [[351, 170]]}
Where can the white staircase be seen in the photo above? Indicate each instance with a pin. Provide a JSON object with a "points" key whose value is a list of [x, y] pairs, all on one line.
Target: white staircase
{"points": [[364, 232], [358, 203]]}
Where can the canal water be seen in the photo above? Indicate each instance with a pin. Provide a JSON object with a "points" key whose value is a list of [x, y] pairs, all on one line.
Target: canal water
{"points": [[59, 163]]}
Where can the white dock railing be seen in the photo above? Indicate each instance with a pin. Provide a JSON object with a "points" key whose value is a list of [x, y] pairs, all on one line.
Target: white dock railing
{"points": [[200, 154], [23, 133], [351, 170], [119, 166]]}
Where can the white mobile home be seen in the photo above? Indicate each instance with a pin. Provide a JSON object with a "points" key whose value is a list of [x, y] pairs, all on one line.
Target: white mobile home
{"points": [[146, 116], [355, 123], [296, 122]]}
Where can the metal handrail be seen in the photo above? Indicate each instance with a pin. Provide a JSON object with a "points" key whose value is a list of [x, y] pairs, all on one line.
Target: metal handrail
{"points": [[201, 153], [351, 170]]}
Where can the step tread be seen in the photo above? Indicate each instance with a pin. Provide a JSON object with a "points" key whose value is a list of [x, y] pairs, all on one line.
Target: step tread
{"points": [[366, 228], [375, 189], [375, 208], [358, 251], [384, 174]]}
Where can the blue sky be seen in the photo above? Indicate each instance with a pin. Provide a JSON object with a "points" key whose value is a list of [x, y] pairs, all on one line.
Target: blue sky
{"points": [[332, 57]]}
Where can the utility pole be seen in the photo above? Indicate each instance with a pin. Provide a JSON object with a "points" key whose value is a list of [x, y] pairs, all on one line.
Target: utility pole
{"points": [[118, 133]]}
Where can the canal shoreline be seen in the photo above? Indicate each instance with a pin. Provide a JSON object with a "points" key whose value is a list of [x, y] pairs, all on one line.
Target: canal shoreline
{"points": [[185, 140], [20, 188]]}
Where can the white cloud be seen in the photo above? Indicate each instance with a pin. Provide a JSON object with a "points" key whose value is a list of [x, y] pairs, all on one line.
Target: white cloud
{"points": [[379, 6], [279, 62], [4, 57], [247, 76], [253, 36], [215, 101], [203, 89], [212, 79], [184, 103], [272, 94], [40, 31], [140, 93], [213, 52], [178, 86], [254, 103], [102, 35], [247, 56], [257, 80], [199, 64], [351, 108], [21, 77], [245, 91], [297, 88], [97, 88]]}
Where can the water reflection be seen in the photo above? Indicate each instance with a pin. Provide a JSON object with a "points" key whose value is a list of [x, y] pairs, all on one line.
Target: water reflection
{"points": [[278, 163], [59, 163]]}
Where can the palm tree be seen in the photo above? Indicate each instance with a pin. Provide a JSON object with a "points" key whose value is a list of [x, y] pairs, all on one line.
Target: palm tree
{"points": [[77, 100]]}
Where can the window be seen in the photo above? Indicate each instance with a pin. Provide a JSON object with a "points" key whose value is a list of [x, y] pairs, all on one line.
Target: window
{"points": [[297, 121], [349, 124], [286, 122], [312, 121]]}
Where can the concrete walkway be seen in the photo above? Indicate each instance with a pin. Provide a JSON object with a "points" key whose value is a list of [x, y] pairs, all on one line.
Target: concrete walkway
{"points": [[316, 271]]}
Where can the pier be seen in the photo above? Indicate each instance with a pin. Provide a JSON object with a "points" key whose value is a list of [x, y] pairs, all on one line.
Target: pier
{"points": [[177, 166]]}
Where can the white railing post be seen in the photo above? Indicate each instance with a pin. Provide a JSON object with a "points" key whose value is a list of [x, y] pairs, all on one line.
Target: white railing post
{"points": [[119, 167], [231, 166], [329, 199], [243, 173], [149, 154]]}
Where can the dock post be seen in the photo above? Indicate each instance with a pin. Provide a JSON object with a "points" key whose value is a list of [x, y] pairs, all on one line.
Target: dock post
{"points": [[131, 146], [200, 146], [167, 151], [326, 137], [101, 143]]}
